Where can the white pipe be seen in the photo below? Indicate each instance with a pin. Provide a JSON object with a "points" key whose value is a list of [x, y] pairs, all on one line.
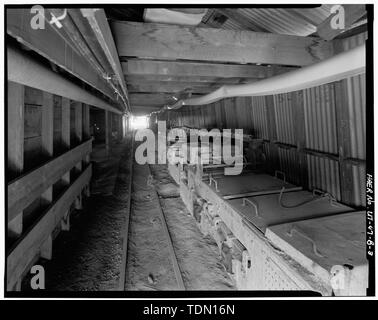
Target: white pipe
{"points": [[26, 71], [346, 64]]}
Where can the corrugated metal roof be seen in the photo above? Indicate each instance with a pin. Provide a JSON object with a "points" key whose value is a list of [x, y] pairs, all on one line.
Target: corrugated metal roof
{"points": [[300, 22]]}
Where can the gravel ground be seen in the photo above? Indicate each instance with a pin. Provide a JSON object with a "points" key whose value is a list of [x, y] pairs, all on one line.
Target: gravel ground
{"points": [[88, 257]]}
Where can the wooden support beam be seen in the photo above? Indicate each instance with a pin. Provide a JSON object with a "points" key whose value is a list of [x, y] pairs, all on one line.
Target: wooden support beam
{"points": [[159, 41], [66, 125], [143, 67], [23, 253], [47, 124], [86, 122], [78, 106], [143, 110], [198, 80], [352, 12], [172, 87], [66, 132], [78, 121], [150, 99], [23, 191], [29, 72], [15, 111], [107, 131], [47, 137], [49, 43], [46, 248], [65, 222]]}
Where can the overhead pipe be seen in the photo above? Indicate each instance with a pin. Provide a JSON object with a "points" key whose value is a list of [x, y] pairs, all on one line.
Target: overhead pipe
{"points": [[98, 22], [78, 40], [346, 64]]}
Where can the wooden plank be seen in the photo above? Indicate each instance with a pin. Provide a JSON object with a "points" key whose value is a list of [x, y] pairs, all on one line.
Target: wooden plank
{"points": [[78, 121], [23, 191], [107, 130], [143, 110], [143, 67], [159, 87], [15, 112], [159, 41], [86, 121], [29, 72], [47, 124], [66, 116], [29, 246], [52, 46], [198, 80], [151, 99], [352, 13], [47, 139]]}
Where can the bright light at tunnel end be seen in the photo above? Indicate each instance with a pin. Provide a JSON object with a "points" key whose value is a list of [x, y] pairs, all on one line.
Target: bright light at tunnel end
{"points": [[139, 122]]}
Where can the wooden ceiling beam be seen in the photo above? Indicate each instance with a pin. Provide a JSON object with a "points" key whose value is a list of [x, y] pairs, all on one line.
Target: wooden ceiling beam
{"points": [[161, 87], [199, 69], [169, 42], [186, 79]]}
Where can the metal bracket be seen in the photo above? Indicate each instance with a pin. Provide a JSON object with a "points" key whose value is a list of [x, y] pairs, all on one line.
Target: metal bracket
{"points": [[277, 172], [254, 205], [314, 247], [211, 179]]}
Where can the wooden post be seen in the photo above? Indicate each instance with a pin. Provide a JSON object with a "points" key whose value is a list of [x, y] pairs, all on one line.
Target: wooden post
{"points": [[86, 122], [16, 94], [46, 248], [107, 131], [78, 106], [66, 139], [86, 127], [120, 126], [300, 135], [47, 136]]}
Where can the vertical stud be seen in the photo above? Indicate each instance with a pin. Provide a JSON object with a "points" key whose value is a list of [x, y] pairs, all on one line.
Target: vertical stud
{"points": [[16, 95], [66, 139]]}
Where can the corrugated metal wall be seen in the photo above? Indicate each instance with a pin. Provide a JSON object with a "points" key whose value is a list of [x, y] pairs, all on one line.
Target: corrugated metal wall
{"points": [[320, 149]]}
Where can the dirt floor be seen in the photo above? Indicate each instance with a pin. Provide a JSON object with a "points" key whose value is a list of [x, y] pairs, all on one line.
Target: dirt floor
{"points": [[198, 256], [89, 256]]}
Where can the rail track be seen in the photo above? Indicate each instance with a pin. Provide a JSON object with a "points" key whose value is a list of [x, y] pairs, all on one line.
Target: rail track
{"points": [[142, 190]]}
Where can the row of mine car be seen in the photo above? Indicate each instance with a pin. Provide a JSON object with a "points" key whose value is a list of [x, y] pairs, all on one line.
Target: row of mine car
{"points": [[273, 235]]}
